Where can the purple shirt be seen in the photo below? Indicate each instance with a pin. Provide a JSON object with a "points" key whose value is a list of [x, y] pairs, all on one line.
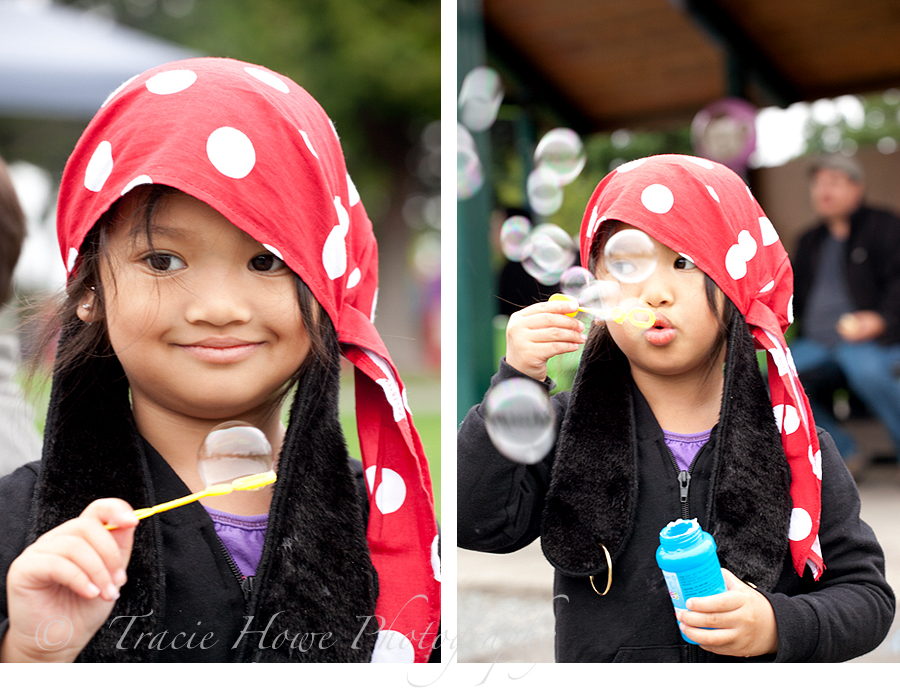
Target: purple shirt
{"points": [[243, 537], [685, 447]]}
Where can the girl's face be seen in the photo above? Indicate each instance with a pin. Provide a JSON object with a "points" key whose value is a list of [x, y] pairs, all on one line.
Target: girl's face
{"points": [[206, 321], [685, 331]]}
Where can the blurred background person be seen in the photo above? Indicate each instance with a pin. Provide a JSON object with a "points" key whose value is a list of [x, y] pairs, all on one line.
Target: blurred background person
{"points": [[19, 440], [847, 302]]}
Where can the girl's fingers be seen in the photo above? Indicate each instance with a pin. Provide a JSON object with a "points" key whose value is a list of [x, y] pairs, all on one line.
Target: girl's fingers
{"points": [[59, 569]]}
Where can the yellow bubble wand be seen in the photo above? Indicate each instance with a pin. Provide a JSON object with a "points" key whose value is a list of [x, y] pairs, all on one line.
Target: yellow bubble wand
{"points": [[639, 317]]}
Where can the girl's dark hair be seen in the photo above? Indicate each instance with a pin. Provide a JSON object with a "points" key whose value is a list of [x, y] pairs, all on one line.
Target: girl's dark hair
{"points": [[83, 340], [598, 338]]}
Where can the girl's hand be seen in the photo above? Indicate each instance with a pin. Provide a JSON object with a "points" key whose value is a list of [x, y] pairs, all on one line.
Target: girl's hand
{"points": [[540, 331], [741, 621], [62, 588]]}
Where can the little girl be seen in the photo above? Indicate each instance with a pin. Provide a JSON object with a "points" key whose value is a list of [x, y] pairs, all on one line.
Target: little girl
{"points": [[676, 422], [218, 255]]}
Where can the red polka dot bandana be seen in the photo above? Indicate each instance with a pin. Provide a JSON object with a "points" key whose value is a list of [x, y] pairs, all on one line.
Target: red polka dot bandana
{"points": [[260, 150], [706, 212]]}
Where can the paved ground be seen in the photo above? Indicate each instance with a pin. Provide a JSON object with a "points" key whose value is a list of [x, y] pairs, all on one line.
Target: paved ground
{"points": [[505, 601]]}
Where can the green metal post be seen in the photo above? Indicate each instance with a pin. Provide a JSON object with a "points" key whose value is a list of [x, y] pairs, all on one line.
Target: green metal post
{"points": [[474, 276]]}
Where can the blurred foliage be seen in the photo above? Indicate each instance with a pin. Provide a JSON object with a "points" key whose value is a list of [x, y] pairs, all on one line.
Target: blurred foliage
{"points": [[876, 125], [605, 151], [374, 65]]}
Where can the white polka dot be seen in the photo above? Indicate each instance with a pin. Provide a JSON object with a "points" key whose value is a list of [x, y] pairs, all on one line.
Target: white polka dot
{"points": [[790, 310], [274, 250], [354, 279], [787, 418], [780, 361], [308, 143], [817, 547], [231, 152], [374, 305], [631, 165], [334, 251], [657, 198], [118, 90], [815, 461], [712, 193], [352, 192], [801, 525], [688, 259], [170, 82], [139, 180], [769, 234], [268, 78], [702, 162], [767, 287], [739, 254], [99, 167], [73, 257], [436, 557], [390, 385], [393, 646], [390, 493]]}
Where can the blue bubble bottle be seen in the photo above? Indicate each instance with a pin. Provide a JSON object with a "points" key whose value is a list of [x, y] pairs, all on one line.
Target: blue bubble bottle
{"points": [[687, 557]]}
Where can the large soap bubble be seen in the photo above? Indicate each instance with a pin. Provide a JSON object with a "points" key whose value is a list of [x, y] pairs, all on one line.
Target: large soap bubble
{"points": [[480, 96], [514, 235], [552, 251], [630, 256], [520, 421], [560, 154], [545, 196], [233, 450], [469, 174], [234, 456]]}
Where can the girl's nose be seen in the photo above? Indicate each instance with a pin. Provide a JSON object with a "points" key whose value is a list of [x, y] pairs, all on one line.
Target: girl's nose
{"points": [[656, 290], [218, 301]]}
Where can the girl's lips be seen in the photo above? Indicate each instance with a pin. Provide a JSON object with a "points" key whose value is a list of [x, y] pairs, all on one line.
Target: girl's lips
{"points": [[221, 351], [661, 333]]}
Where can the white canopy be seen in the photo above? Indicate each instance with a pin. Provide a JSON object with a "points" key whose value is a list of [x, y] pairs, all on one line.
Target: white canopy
{"points": [[62, 62]]}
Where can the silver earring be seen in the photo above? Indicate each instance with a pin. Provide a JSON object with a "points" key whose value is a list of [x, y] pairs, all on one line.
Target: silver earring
{"points": [[86, 306]]}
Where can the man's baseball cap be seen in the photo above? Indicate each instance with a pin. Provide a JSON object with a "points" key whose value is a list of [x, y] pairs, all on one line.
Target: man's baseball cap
{"points": [[845, 164]]}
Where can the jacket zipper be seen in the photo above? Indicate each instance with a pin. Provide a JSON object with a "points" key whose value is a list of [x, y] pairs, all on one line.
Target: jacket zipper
{"points": [[684, 486], [244, 582]]}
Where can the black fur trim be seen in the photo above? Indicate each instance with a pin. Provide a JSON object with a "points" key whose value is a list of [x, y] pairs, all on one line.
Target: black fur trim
{"points": [[316, 573], [593, 489], [750, 503]]}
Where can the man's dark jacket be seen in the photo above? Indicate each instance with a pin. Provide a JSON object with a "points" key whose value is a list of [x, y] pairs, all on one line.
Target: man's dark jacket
{"points": [[872, 264]]}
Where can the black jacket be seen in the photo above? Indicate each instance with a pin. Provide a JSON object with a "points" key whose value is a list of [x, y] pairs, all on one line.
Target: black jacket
{"points": [[502, 506], [872, 266], [315, 574]]}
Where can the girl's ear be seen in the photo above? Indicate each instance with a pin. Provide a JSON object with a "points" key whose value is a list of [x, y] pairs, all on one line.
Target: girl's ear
{"points": [[85, 310]]}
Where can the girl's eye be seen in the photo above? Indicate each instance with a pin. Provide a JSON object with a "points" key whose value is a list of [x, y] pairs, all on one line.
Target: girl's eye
{"points": [[684, 263], [163, 262], [266, 263]]}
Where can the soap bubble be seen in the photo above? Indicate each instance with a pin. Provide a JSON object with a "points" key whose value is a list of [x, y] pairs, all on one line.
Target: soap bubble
{"points": [[520, 421], [552, 251], [480, 96], [233, 450], [560, 154], [544, 194], [514, 237], [469, 175], [574, 280], [630, 256], [600, 296]]}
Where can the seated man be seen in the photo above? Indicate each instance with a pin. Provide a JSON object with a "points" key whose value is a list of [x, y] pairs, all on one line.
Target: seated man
{"points": [[847, 299]]}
